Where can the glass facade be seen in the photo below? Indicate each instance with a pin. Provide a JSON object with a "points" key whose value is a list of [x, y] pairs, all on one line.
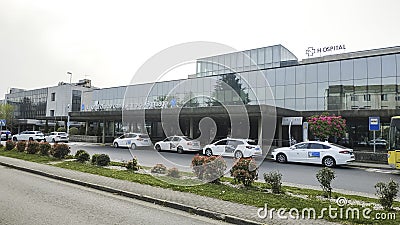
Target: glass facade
{"points": [[28, 104], [359, 83]]}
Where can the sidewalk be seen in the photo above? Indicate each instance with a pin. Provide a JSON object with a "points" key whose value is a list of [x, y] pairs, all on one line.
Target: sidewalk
{"points": [[204, 206]]}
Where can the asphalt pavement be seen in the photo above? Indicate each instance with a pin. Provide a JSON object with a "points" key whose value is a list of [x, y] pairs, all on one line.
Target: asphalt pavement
{"points": [[209, 207]]}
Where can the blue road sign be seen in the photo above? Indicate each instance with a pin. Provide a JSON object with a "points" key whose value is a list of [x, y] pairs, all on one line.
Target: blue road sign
{"points": [[3, 123], [374, 123]]}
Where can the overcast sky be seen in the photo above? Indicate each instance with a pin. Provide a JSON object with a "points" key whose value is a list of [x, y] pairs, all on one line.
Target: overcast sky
{"points": [[41, 40]]}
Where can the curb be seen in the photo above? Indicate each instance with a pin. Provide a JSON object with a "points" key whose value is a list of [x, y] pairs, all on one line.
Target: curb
{"points": [[165, 203]]}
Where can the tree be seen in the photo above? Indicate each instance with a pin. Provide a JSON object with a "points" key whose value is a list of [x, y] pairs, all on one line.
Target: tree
{"points": [[324, 126], [223, 91], [7, 113]]}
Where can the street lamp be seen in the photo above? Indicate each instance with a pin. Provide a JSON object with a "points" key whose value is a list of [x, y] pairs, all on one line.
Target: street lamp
{"points": [[68, 123], [70, 77]]}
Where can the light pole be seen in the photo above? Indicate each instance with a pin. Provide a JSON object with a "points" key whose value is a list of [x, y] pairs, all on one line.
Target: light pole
{"points": [[68, 119], [70, 77]]}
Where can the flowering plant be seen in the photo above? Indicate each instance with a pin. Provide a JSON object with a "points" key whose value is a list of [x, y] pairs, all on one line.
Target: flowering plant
{"points": [[324, 126]]}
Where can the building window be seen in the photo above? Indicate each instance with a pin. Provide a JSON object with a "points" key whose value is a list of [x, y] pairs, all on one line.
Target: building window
{"points": [[367, 97], [397, 98], [51, 112], [384, 97], [53, 96], [353, 97]]}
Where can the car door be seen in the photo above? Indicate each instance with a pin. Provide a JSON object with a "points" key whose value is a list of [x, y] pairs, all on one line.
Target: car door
{"points": [[219, 147], [296, 152], [166, 143], [314, 153], [129, 139], [230, 147], [175, 142], [121, 140]]}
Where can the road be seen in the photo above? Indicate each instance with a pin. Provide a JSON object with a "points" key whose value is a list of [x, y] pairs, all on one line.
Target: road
{"points": [[30, 199], [352, 179]]}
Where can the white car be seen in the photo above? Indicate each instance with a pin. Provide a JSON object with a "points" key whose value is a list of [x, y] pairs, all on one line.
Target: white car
{"points": [[325, 153], [57, 137], [233, 147], [29, 136], [132, 140], [5, 135], [178, 143]]}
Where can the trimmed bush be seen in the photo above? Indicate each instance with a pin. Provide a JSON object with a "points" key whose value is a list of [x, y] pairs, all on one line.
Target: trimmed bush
{"points": [[1, 145], [61, 129], [133, 165], [73, 131], [44, 148], [244, 171], [59, 151], [209, 168], [21, 145], [100, 159], [10, 145], [33, 147], [82, 156], [173, 172], [159, 168], [94, 158], [275, 180], [387, 193], [325, 176]]}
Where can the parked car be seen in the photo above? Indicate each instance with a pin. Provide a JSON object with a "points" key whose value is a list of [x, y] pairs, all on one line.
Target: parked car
{"points": [[57, 137], [177, 143], [233, 147], [29, 136], [379, 143], [5, 135], [132, 140], [325, 153]]}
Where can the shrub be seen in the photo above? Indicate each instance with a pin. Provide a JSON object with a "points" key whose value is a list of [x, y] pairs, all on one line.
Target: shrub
{"points": [[173, 172], [82, 156], [94, 158], [73, 131], [387, 193], [209, 168], [10, 145], [101, 159], [275, 180], [44, 148], [61, 129], [159, 168], [245, 171], [1, 145], [33, 147], [133, 165], [325, 177], [21, 145], [59, 151]]}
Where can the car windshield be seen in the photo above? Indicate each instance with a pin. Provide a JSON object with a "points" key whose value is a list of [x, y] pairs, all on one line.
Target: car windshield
{"points": [[144, 136]]}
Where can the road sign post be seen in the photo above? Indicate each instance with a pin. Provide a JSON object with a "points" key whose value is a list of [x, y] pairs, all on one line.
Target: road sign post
{"points": [[374, 125]]}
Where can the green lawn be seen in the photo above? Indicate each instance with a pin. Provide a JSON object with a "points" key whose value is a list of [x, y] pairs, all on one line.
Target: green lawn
{"points": [[28, 157]]}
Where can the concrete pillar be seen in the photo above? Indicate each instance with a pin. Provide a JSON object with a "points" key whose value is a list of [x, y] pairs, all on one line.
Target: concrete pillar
{"points": [[113, 128], [34, 127], [86, 127], [279, 127], [103, 138], [191, 128], [259, 133]]}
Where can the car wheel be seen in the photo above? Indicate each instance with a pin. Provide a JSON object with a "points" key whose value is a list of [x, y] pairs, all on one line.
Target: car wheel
{"points": [[281, 158], [30, 139], [53, 140], [158, 148], [15, 139], [180, 149], [133, 146], [238, 154], [115, 145], [329, 162], [208, 152]]}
